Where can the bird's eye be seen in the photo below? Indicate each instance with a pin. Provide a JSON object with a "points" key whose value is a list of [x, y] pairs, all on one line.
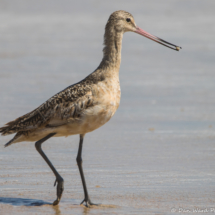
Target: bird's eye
{"points": [[128, 19]]}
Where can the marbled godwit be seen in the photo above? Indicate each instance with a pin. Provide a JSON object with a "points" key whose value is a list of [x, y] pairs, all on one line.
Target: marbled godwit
{"points": [[82, 107]]}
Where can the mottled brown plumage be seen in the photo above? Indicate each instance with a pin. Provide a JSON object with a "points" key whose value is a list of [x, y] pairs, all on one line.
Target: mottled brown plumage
{"points": [[82, 107], [65, 105], [72, 104]]}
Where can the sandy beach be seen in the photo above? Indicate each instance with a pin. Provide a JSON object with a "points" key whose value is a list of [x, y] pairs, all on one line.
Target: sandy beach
{"points": [[156, 155]]}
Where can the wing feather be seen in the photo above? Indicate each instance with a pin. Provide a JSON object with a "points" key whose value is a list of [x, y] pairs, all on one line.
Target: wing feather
{"points": [[56, 111]]}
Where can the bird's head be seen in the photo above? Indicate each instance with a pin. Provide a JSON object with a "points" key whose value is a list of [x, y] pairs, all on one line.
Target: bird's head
{"points": [[123, 21]]}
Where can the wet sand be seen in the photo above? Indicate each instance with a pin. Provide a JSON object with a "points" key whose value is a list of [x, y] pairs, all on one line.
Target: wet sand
{"points": [[156, 155]]}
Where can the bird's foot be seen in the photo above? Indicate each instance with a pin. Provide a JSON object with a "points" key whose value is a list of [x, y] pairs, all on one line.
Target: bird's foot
{"points": [[87, 202], [60, 188]]}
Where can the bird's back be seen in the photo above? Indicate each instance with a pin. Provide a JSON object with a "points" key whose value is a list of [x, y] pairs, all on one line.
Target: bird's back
{"points": [[67, 110]]}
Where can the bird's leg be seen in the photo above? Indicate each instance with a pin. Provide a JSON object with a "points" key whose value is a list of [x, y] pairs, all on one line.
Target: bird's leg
{"points": [[59, 180], [79, 162]]}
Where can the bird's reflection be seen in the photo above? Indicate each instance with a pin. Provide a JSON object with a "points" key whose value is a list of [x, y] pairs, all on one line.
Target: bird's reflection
{"points": [[57, 210], [85, 211]]}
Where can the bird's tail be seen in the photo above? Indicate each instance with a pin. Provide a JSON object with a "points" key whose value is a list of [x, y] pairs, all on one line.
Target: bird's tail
{"points": [[15, 139], [9, 143], [9, 128]]}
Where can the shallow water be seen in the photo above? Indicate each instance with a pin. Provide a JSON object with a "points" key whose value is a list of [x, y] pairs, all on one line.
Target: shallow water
{"points": [[156, 155]]}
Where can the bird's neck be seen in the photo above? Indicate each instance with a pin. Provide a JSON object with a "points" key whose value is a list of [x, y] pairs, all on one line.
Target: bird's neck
{"points": [[112, 49]]}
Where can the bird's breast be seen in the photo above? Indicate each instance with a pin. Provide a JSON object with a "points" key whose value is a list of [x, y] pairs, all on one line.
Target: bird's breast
{"points": [[106, 97], [109, 94]]}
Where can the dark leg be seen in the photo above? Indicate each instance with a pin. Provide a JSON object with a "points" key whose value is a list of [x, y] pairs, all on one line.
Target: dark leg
{"points": [[59, 180], [79, 162]]}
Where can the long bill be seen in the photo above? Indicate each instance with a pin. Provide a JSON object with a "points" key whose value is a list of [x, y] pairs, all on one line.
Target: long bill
{"points": [[157, 39]]}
